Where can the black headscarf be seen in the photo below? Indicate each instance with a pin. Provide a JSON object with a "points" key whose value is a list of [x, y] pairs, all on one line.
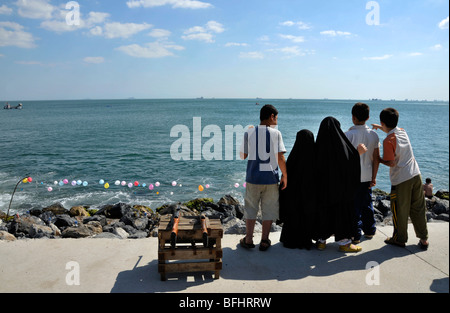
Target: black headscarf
{"points": [[338, 173], [297, 201]]}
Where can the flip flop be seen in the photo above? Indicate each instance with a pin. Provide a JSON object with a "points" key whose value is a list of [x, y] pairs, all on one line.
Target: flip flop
{"points": [[267, 243], [246, 245], [392, 241]]}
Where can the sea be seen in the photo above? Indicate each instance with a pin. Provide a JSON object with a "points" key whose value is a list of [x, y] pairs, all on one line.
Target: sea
{"points": [[157, 151]]}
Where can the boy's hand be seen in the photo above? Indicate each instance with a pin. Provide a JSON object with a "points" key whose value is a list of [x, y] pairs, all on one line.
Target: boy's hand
{"points": [[376, 126], [283, 182], [373, 183], [362, 149]]}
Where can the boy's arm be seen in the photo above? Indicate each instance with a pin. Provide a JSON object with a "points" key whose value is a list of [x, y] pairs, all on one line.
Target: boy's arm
{"points": [[282, 166], [375, 166], [388, 159], [244, 147]]}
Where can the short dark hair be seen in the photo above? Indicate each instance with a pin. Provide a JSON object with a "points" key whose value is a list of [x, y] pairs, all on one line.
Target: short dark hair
{"points": [[361, 111], [389, 117], [267, 111], [428, 180]]}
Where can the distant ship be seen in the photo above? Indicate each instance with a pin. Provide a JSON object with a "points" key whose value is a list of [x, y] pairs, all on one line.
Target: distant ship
{"points": [[9, 107]]}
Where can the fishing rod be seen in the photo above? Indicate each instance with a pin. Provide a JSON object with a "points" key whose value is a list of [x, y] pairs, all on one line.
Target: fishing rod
{"points": [[26, 179]]}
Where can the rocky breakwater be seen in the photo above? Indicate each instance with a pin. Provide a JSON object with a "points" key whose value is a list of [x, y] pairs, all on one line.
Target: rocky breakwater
{"points": [[437, 207], [124, 221], [119, 220]]}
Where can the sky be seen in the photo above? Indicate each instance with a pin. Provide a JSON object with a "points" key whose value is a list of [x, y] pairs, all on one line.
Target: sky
{"points": [[117, 49]]}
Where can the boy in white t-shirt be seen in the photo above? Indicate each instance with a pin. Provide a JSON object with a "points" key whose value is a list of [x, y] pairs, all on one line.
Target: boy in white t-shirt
{"points": [[360, 133]]}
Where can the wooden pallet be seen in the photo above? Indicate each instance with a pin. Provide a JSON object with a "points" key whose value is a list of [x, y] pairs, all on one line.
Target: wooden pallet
{"points": [[189, 254]]}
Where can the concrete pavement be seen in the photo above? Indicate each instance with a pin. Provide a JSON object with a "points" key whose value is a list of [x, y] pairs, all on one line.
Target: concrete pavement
{"points": [[112, 265]]}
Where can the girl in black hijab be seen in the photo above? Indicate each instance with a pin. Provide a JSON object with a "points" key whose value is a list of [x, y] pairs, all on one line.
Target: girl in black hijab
{"points": [[338, 175], [297, 201]]}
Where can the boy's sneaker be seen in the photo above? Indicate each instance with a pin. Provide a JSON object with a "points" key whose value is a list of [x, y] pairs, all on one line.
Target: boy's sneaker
{"points": [[350, 248], [321, 245]]}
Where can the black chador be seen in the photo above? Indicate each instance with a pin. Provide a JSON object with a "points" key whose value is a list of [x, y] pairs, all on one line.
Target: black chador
{"points": [[297, 201], [338, 176]]}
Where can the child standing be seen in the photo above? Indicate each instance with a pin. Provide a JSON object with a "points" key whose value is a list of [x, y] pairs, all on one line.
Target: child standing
{"points": [[265, 150], [360, 133], [407, 197]]}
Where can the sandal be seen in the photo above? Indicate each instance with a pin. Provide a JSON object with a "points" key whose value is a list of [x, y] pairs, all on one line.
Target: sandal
{"points": [[245, 244], [264, 244], [423, 246], [392, 241]]}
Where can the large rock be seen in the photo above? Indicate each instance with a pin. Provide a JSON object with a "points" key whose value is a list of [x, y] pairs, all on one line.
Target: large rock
{"points": [[63, 221], [228, 199], [56, 208], [82, 231], [40, 231], [23, 224], [440, 206], [4, 235], [114, 211], [78, 211]]}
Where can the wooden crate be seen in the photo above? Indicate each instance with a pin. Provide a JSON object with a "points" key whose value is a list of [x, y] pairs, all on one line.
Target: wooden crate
{"points": [[189, 254]]}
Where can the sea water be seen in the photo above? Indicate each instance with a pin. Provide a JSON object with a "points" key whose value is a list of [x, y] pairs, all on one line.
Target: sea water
{"points": [[130, 141]]}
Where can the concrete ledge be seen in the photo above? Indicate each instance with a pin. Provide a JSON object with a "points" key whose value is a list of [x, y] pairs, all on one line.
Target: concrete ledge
{"points": [[113, 265]]}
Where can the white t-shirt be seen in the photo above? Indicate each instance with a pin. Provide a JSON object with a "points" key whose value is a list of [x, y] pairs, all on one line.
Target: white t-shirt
{"points": [[363, 134]]}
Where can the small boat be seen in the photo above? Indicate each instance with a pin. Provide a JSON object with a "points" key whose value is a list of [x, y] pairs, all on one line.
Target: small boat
{"points": [[9, 107]]}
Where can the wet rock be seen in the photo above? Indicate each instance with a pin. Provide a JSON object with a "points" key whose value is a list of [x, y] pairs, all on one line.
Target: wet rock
{"points": [[56, 208]]}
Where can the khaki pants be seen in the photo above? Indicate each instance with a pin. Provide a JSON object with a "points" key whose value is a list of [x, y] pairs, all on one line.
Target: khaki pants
{"points": [[408, 200]]}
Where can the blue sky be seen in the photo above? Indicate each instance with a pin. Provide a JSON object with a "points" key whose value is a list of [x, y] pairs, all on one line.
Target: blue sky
{"points": [[337, 49]]}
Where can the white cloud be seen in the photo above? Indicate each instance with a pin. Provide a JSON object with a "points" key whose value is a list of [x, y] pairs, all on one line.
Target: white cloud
{"points": [[182, 4], [444, 23], [300, 25], [236, 44], [13, 34], [436, 47], [195, 29], [204, 33], [384, 57], [96, 18], [251, 55], [59, 24], [293, 38], [159, 33], [150, 50], [94, 60], [415, 54], [206, 37], [293, 51], [215, 27], [334, 33], [119, 30], [37, 9], [5, 10]]}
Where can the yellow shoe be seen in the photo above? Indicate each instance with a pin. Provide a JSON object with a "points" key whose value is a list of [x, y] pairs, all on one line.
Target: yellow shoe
{"points": [[350, 248], [321, 245]]}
